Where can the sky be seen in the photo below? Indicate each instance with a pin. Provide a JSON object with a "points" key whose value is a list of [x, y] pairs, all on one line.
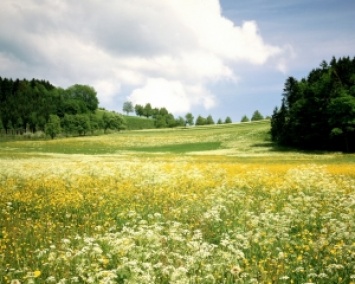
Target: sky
{"points": [[208, 57]]}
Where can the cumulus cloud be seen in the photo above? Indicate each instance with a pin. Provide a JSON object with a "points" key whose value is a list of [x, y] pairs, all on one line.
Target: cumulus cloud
{"points": [[166, 52], [173, 95]]}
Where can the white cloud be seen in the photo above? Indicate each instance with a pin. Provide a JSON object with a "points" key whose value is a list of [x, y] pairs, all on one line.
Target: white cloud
{"points": [[106, 91], [165, 51], [172, 95], [288, 53]]}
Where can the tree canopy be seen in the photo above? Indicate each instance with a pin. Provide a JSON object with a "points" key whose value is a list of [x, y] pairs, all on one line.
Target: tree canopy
{"points": [[257, 116], [128, 107], [244, 119], [162, 117], [228, 120], [37, 105], [318, 112], [189, 118]]}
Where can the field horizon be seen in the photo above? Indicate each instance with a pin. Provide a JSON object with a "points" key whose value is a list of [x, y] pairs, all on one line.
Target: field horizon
{"points": [[236, 139]]}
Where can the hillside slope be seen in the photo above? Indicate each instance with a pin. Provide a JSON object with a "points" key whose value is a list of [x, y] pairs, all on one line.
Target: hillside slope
{"points": [[137, 123], [215, 139]]}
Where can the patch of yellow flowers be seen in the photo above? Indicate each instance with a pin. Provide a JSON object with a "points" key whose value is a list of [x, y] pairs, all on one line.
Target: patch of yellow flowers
{"points": [[175, 219]]}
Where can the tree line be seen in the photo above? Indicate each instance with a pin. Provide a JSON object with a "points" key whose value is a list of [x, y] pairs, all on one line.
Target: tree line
{"points": [[318, 112], [162, 117], [255, 117], [37, 105]]}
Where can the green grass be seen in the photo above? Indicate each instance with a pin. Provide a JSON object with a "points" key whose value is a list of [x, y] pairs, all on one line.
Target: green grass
{"points": [[179, 148], [249, 142], [180, 140], [138, 123]]}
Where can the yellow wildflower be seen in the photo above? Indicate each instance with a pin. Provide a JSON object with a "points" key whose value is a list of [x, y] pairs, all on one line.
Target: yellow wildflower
{"points": [[37, 273]]}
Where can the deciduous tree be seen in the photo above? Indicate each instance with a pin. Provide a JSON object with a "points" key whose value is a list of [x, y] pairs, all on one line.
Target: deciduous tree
{"points": [[113, 121], [148, 110], [139, 109], [189, 118], [52, 127], [128, 107], [85, 96], [200, 120]]}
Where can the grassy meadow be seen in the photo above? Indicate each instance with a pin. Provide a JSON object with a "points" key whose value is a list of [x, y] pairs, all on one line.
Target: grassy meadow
{"points": [[213, 204]]}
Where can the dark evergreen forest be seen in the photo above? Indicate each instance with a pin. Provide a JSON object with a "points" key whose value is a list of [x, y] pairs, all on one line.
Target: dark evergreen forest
{"points": [[37, 105], [318, 112]]}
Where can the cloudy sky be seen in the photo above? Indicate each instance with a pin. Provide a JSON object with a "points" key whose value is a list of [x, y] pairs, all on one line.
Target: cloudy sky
{"points": [[218, 57]]}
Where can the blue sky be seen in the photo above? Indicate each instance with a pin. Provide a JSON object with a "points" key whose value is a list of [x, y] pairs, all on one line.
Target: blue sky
{"points": [[224, 58], [313, 31]]}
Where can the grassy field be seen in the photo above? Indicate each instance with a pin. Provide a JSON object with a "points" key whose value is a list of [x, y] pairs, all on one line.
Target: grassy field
{"points": [[216, 204]]}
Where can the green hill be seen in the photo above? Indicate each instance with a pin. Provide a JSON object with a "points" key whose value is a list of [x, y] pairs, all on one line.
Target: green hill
{"points": [[138, 123], [225, 139]]}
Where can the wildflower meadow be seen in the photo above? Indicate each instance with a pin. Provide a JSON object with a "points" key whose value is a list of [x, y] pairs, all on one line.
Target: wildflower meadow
{"points": [[251, 215]]}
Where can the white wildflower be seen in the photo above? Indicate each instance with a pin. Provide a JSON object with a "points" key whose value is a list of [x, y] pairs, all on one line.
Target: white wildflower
{"points": [[236, 270], [51, 279], [281, 255], [66, 241], [323, 275]]}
